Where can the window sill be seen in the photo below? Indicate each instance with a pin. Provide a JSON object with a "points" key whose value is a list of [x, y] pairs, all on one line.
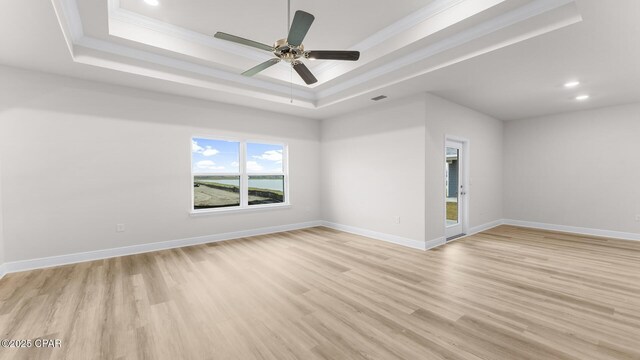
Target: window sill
{"points": [[254, 208]]}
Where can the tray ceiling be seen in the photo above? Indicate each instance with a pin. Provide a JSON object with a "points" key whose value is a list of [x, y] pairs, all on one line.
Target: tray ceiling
{"points": [[172, 42]]}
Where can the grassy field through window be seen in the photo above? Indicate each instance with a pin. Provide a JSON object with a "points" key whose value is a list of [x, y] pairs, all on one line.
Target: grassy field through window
{"points": [[452, 211], [224, 191]]}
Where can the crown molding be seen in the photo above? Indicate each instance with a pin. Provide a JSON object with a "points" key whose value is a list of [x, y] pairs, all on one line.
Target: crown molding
{"points": [[71, 23], [133, 18], [398, 27], [116, 49], [117, 13], [73, 20], [520, 14]]}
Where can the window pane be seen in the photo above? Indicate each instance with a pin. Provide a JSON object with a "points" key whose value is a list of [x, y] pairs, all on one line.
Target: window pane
{"points": [[264, 158], [214, 156], [451, 185], [215, 191], [266, 189]]}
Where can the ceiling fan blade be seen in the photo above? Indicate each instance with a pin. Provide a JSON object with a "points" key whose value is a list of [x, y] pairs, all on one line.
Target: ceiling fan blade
{"points": [[304, 73], [243, 41], [333, 55], [299, 27], [256, 69]]}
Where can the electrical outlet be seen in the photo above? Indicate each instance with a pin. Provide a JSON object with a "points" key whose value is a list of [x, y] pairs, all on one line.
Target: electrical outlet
{"points": [[120, 228], [396, 219]]}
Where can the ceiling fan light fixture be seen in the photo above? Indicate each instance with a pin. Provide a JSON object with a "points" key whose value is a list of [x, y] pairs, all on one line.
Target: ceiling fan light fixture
{"points": [[291, 49]]}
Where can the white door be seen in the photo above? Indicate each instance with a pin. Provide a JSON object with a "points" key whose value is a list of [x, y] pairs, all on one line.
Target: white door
{"points": [[454, 189]]}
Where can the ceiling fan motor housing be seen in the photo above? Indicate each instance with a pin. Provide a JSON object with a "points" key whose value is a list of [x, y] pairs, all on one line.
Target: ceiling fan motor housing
{"points": [[287, 52], [291, 49]]}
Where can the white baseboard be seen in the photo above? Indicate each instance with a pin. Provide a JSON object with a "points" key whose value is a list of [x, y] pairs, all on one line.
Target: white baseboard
{"points": [[484, 227], [474, 230], [32, 264], [574, 230], [399, 240], [435, 243]]}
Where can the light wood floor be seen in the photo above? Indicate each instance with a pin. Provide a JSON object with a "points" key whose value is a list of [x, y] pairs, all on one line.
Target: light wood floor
{"points": [[508, 293]]}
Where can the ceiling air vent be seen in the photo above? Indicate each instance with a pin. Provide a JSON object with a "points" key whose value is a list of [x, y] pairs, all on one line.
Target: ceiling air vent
{"points": [[378, 98]]}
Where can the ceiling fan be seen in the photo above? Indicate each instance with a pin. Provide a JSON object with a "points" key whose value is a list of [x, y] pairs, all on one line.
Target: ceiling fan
{"points": [[291, 49]]}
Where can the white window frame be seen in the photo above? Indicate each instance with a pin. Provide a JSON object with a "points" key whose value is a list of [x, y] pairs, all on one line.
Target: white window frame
{"points": [[244, 177]]}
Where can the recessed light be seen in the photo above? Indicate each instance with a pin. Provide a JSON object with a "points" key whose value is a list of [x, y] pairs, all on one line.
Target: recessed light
{"points": [[571, 84], [582, 97], [152, 2], [378, 98]]}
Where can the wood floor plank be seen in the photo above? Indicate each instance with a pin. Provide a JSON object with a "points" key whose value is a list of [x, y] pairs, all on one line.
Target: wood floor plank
{"points": [[506, 293]]}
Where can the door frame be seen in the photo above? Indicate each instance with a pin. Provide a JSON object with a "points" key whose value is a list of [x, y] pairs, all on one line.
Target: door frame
{"points": [[463, 180]]}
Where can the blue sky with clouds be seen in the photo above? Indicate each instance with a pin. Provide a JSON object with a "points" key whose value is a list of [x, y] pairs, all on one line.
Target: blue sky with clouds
{"points": [[218, 156], [264, 158]]}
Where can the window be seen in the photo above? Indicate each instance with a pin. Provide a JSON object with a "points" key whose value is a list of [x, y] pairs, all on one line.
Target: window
{"points": [[216, 173], [237, 174]]}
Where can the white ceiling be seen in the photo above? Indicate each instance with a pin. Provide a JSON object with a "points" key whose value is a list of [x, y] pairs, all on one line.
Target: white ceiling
{"points": [[338, 24], [506, 58], [526, 79]]}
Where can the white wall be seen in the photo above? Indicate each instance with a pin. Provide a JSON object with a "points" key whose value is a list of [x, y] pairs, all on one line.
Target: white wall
{"points": [[1, 222], [373, 168], [388, 160], [579, 169], [80, 157], [485, 135]]}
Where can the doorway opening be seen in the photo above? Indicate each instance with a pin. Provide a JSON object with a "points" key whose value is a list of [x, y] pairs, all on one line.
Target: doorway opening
{"points": [[455, 189]]}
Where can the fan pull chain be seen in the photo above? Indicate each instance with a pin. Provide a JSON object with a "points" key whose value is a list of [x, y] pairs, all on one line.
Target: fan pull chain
{"points": [[288, 27]]}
